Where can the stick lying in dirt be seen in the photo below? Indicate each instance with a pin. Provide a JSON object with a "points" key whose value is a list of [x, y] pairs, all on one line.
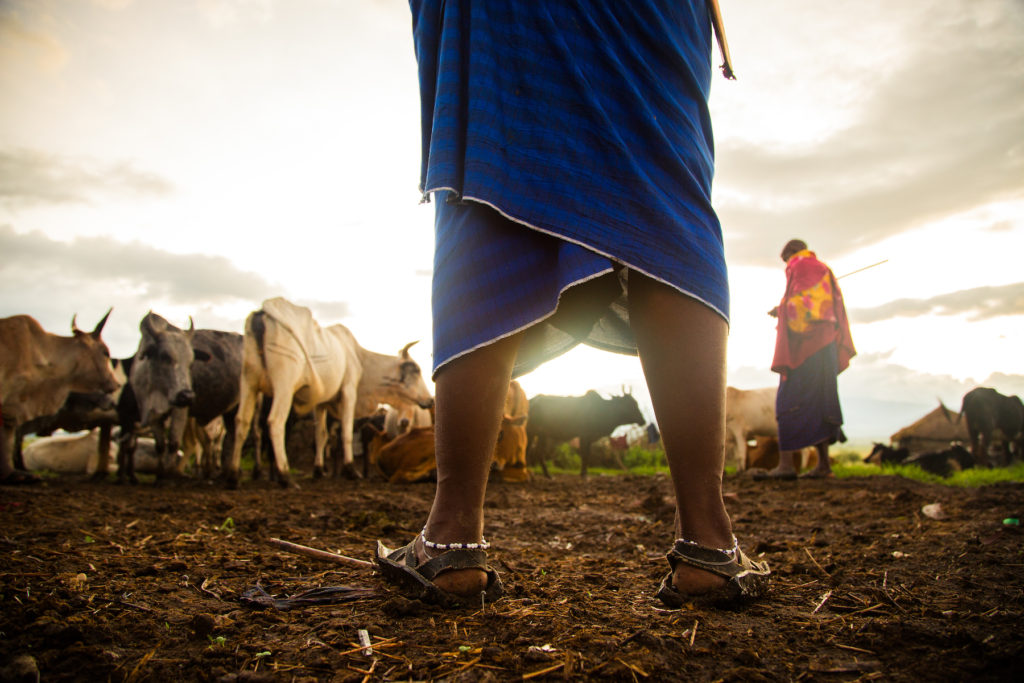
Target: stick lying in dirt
{"points": [[319, 554]]}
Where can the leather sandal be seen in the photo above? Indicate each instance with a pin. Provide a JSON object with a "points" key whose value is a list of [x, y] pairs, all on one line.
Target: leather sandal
{"points": [[745, 578], [400, 568]]}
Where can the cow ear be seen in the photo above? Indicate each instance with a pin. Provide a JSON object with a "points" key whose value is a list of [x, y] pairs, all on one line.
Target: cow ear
{"points": [[404, 353], [199, 354], [99, 326]]}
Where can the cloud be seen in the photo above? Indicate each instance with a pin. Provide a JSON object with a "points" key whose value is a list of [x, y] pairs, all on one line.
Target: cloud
{"points": [[938, 133], [175, 278], [93, 273], [21, 42], [980, 303], [29, 177]]}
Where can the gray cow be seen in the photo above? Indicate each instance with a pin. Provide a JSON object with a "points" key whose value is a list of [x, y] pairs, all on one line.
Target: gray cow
{"points": [[161, 380]]}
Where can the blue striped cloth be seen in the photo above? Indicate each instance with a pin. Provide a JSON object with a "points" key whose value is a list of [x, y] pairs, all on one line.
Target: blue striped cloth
{"points": [[565, 139]]}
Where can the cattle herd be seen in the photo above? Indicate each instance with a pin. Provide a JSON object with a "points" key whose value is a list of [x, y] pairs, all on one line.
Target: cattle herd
{"points": [[194, 398], [191, 400]]}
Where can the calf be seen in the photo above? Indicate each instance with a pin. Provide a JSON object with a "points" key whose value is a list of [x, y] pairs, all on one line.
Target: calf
{"points": [[556, 419], [38, 371], [944, 463], [887, 455]]}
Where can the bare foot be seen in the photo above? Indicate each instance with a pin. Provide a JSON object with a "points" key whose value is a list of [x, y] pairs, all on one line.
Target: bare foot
{"points": [[693, 581]]}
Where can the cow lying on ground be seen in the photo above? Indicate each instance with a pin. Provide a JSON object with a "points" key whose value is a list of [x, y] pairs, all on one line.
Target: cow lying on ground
{"points": [[410, 456], [37, 372], [765, 455], [557, 419], [78, 453], [993, 418], [290, 358], [943, 463]]}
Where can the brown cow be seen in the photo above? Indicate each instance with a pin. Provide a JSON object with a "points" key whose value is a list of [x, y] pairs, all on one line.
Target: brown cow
{"points": [[37, 372], [410, 456]]}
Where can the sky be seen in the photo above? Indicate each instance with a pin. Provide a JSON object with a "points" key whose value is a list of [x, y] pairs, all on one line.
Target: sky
{"points": [[197, 157]]}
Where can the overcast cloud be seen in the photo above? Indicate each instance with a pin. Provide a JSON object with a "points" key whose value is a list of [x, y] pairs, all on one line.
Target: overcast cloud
{"points": [[29, 177], [914, 152], [980, 303]]}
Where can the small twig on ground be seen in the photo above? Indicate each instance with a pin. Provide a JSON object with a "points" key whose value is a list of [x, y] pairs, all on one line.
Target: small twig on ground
{"points": [[822, 569], [318, 554], [548, 670], [693, 633], [821, 604]]}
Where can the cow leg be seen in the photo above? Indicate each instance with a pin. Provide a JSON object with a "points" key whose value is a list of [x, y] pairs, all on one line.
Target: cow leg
{"points": [[247, 402], [103, 453], [319, 440], [276, 421], [8, 434], [18, 460], [348, 418], [586, 442], [126, 456]]}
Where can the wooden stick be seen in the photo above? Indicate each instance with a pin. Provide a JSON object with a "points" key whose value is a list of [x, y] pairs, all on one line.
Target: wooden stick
{"points": [[319, 554]]}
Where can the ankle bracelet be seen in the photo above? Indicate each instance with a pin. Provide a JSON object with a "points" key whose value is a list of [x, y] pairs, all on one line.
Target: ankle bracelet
{"points": [[482, 545], [728, 551]]}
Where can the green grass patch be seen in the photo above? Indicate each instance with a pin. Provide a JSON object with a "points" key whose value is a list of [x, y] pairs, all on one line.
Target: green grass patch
{"points": [[969, 478]]}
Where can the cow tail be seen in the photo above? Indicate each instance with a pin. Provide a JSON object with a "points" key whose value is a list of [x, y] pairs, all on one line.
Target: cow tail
{"points": [[259, 329]]}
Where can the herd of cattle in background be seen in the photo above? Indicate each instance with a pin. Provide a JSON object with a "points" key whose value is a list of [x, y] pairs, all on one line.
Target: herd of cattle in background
{"points": [[199, 395]]}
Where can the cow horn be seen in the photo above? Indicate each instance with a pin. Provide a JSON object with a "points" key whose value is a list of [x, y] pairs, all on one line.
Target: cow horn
{"points": [[404, 353], [99, 326], [74, 326], [191, 326]]}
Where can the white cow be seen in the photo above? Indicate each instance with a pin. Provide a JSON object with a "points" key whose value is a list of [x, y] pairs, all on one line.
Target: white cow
{"points": [[288, 356], [748, 413], [79, 453]]}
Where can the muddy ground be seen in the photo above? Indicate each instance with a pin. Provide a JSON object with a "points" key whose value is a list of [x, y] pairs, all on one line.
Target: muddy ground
{"points": [[143, 583]]}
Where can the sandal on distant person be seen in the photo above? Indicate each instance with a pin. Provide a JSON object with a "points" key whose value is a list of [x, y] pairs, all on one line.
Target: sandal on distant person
{"points": [[745, 578], [401, 568]]}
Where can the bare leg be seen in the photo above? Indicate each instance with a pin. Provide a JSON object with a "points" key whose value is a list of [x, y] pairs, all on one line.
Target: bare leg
{"points": [[824, 467], [682, 347], [470, 399], [785, 466]]}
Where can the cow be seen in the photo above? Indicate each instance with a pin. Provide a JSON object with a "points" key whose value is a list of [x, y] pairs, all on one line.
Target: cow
{"points": [[556, 419], [748, 414], [216, 375], [289, 357], [765, 455], [78, 453], [956, 458], [510, 451], [993, 417], [38, 370], [410, 456], [161, 381], [936, 430], [887, 455], [81, 411]]}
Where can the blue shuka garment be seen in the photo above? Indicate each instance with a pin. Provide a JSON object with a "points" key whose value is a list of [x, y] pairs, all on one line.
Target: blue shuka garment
{"points": [[568, 143]]}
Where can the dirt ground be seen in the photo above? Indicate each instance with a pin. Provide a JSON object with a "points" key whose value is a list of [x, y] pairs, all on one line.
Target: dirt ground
{"points": [[105, 582]]}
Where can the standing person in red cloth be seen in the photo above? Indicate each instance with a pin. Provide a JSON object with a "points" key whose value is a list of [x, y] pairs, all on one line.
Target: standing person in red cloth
{"points": [[812, 346]]}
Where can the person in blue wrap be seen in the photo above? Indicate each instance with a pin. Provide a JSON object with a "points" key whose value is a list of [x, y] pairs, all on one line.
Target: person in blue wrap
{"points": [[569, 152]]}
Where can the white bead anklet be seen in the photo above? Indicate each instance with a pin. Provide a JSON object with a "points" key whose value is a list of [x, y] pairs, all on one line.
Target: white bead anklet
{"points": [[728, 551], [482, 545]]}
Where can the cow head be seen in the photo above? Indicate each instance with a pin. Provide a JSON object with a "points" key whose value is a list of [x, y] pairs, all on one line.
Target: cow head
{"points": [[160, 376], [626, 410], [93, 371], [407, 383]]}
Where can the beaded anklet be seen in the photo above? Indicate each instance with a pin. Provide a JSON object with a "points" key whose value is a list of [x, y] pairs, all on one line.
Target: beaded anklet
{"points": [[482, 545], [728, 551]]}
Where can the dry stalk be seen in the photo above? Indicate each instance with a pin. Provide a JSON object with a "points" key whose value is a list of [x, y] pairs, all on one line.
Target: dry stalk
{"points": [[319, 554]]}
